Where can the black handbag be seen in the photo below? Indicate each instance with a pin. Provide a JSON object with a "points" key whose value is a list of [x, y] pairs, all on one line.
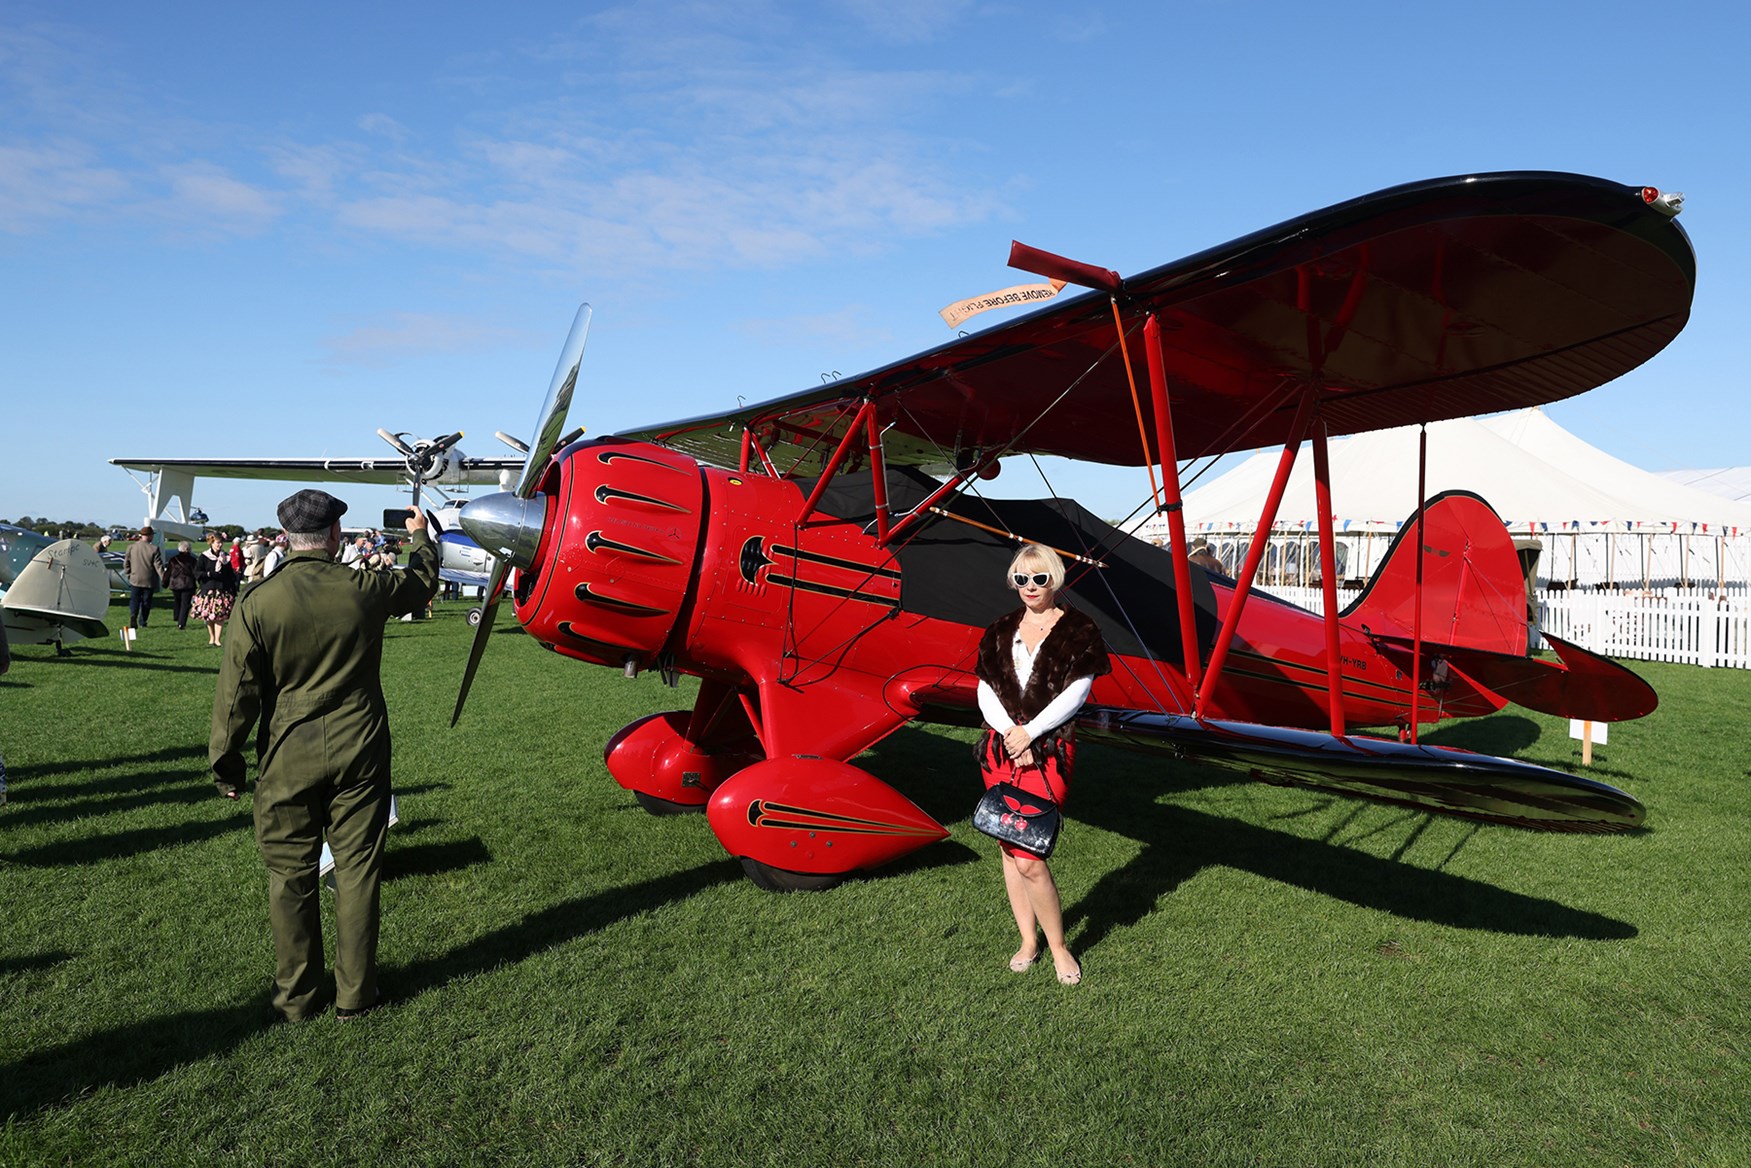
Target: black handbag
{"points": [[1019, 818]]}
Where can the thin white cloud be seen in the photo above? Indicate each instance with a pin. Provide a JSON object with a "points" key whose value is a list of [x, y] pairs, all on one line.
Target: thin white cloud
{"points": [[48, 182], [715, 147], [383, 126], [385, 339], [843, 328], [906, 22], [201, 192]]}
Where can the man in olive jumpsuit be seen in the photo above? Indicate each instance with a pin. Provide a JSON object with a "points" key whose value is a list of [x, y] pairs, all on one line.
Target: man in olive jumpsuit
{"points": [[303, 657]]}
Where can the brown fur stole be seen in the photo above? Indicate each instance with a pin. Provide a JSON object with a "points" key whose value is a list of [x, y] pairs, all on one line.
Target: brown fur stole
{"points": [[1074, 648]]}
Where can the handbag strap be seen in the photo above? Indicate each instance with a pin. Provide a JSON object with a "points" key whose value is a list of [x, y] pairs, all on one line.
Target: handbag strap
{"points": [[1044, 777]]}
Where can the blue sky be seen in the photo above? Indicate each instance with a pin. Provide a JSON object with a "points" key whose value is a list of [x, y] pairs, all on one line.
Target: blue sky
{"points": [[243, 230]]}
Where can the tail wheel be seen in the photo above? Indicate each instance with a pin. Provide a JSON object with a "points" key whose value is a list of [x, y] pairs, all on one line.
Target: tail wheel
{"points": [[770, 879], [474, 615]]}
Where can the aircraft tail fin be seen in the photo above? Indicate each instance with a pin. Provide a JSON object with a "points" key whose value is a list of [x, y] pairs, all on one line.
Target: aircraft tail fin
{"points": [[1475, 624], [1473, 593]]}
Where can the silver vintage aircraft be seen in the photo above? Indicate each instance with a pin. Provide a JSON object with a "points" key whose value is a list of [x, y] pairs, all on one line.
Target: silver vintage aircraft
{"points": [[53, 591]]}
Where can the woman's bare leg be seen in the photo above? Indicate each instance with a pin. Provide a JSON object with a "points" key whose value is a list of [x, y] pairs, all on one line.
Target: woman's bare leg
{"points": [[1021, 904], [1046, 907]]}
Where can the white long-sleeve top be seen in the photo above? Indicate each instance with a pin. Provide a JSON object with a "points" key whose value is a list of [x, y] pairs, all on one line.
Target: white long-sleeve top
{"points": [[1057, 712]]}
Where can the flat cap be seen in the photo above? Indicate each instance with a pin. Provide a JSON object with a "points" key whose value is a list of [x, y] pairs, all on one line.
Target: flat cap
{"points": [[310, 511]]}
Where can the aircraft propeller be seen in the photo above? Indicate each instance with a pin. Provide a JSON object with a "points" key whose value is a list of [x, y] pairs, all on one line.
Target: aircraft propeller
{"points": [[425, 460], [508, 524]]}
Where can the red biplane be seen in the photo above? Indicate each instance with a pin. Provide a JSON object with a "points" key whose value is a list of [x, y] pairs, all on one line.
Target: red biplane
{"points": [[824, 565]]}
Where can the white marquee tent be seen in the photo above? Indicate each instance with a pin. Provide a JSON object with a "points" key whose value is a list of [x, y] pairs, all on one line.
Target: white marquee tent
{"points": [[1597, 519], [1729, 482]]}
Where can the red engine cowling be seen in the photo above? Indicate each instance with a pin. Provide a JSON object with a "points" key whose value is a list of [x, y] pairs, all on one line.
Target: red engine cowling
{"points": [[816, 816], [618, 557]]}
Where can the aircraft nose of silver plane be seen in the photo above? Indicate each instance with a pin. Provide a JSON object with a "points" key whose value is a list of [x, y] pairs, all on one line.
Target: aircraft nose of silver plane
{"points": [[506, 526]]}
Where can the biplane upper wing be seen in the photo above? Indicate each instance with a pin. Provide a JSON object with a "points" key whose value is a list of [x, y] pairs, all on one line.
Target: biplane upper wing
{"points": [[1432, 300]]}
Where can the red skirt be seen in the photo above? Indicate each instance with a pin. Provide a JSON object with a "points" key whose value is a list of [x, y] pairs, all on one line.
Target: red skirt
{"points": [[1043, 777]]}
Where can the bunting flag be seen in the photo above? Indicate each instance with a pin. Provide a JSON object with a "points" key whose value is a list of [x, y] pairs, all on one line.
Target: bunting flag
{"points": [[1015, 294]]}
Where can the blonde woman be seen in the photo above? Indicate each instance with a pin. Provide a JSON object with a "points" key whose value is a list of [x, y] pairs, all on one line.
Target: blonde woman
{"points": [[1036, 666]]}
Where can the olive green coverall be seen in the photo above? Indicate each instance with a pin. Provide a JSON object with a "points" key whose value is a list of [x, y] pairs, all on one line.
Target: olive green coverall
{"points": [[303, 658]]}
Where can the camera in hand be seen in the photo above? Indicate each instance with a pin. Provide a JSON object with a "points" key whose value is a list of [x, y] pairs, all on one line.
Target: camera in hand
{"points": [[395, 519]]}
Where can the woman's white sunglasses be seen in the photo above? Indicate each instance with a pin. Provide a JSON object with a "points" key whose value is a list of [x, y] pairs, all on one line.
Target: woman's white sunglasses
{"points": [[1040, 579]]}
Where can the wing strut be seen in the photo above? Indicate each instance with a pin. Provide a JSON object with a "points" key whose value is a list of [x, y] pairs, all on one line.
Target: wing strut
{"points": [[1170, 501], [878, 473], [1328, 578], [865, 411], [1417, 609], [916, 515], [1137, 406], [1256, 553]]}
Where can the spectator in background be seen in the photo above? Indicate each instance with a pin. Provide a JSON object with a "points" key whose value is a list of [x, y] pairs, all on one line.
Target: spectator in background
{"points": [[180, 577], [217, 583], [1202, 556], [145, 569], [254, 550], [274, 556]]}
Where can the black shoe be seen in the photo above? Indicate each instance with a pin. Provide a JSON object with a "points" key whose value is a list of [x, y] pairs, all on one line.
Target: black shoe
{"points": [[348, 1014]]}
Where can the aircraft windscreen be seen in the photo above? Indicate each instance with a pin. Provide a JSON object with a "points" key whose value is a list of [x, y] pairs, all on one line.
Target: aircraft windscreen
{"points": [[17, 546]]}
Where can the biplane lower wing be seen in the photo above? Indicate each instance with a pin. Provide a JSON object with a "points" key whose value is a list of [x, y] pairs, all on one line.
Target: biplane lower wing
{"points": [[1442, 779]]}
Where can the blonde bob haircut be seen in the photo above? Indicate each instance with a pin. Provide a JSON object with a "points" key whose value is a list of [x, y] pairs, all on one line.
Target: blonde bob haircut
{"points": [[1033, 558]]}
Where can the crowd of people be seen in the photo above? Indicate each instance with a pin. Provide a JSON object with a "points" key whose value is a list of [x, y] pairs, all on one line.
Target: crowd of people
{"points": [[205, 586]]}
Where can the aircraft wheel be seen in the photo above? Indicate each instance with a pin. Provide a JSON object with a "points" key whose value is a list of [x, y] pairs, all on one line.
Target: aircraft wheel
{"points": [[474, 615], [658, 806], [770, 879]]}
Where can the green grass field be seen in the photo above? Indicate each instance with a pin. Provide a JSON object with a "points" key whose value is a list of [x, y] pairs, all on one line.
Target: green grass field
{"points": [[1271, 976]]}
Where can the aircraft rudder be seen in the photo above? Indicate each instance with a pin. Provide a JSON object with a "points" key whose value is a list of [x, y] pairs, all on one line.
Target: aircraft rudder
{"points": [[1472, 589]]}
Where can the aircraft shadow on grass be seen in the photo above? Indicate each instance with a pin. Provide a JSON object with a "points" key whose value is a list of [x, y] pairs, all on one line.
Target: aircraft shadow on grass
{"points": [[1516, 736], [1504, 734], [130, 1055]]}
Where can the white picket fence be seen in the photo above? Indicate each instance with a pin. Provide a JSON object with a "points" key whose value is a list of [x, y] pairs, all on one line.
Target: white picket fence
{"points": [[1689, 626], [1684, 626]]}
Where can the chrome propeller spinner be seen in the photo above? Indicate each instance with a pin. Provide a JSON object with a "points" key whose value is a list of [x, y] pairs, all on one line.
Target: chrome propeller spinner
{"points": [[509, 525]]}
